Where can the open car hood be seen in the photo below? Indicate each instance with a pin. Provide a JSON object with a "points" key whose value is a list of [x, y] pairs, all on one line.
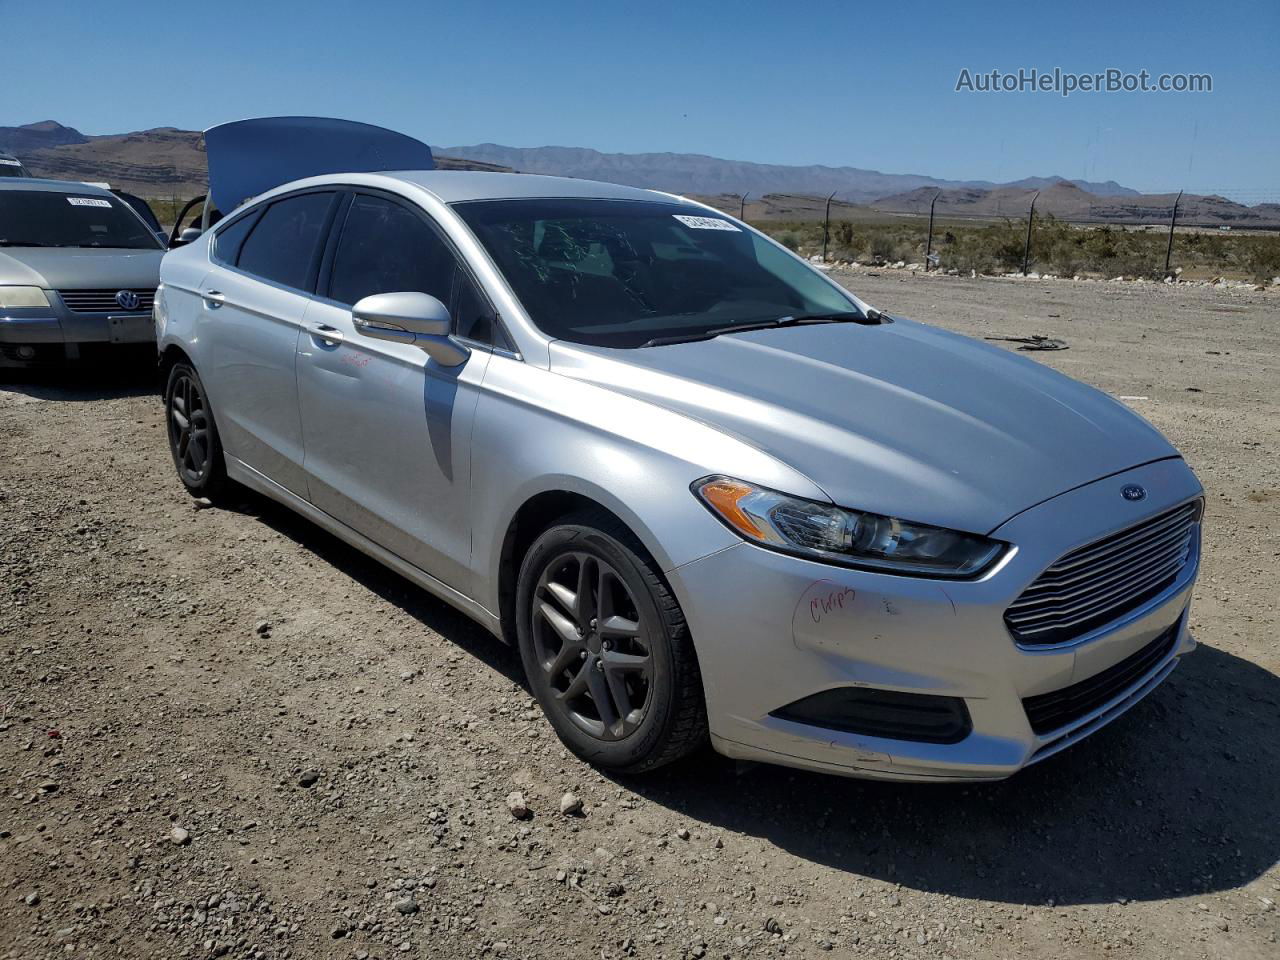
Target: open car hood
{"points": [[249, 157]]}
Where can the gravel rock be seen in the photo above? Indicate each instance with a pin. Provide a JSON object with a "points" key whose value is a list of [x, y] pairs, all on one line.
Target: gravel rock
{"points": [[570, 805], [407, 906], [179, 837], [517, 805]]}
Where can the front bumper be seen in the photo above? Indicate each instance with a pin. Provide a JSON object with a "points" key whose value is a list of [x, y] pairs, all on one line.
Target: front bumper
{"points": [[772, 629], [31, 337]]}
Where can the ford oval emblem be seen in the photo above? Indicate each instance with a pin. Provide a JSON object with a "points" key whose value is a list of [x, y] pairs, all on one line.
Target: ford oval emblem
{"points": [[128, 300], [1131, 491]]}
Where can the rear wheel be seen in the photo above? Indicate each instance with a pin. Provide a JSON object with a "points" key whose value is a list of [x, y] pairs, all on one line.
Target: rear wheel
{"points": [[193, 435], [606, 648]]}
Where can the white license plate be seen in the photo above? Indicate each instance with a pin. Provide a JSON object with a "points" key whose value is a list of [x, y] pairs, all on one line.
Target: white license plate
{"points": [[138, 329]]}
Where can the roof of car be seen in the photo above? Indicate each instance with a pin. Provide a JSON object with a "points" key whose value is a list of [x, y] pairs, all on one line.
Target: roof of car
{"points": [[52, 186], [456, 186]]}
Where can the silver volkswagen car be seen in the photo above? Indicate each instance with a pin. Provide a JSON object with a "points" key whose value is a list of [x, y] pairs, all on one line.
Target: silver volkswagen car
{"points": [[707, 492], [78, 271]]}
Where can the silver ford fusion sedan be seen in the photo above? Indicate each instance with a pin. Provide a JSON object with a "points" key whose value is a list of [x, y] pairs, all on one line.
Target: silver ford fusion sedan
{"points": [[708, 493]]}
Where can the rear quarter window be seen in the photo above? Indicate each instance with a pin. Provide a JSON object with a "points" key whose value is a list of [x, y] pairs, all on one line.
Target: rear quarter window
{"points": [[229, 239]]}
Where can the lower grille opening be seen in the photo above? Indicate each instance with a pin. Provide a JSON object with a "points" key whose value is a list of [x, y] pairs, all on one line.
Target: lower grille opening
{"points": [[1051, 711], [924, 718]]}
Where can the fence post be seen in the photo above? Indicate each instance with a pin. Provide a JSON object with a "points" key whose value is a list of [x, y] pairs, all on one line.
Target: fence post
{"points": [[742, 208], [826, 227], [1026, 247], [1173, 220], [928, 247]]}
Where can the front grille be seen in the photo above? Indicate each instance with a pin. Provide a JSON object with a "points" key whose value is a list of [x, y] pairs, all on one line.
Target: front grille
{"points": [[1102, 581], [1052, 711], [104, 301]]}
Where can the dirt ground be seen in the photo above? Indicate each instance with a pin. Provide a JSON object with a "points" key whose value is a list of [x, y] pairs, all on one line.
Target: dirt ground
{"points": [[225, 733]]}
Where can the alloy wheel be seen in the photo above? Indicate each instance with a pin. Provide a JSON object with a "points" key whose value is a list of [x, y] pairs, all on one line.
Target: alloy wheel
{"points": [[592, 645], [189, 428]]}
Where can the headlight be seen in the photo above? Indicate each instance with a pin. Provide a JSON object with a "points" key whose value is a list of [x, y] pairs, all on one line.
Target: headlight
{"points": [[23, 297], [820, 531]]}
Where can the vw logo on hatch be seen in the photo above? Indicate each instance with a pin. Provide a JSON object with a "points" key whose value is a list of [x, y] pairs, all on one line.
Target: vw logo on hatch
{"points": [[127, 299], [1131, 491]]}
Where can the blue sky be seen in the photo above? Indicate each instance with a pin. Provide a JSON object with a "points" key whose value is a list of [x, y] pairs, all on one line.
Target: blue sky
{"points": [[835, 83]]}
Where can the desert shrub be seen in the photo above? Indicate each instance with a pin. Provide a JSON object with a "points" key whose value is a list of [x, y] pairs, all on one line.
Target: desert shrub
{"points": [[881, 245], [1056, 247], [1261, 258]]}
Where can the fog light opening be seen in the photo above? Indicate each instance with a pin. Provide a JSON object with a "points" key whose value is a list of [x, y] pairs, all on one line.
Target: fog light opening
{"points": [[25, 352], [919, 717]]}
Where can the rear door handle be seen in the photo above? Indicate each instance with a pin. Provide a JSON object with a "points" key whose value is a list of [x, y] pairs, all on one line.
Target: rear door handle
{"points": [[213, 299], [328, 334]]}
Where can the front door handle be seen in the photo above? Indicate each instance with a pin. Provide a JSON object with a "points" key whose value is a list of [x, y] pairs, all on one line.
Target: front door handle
{"points": [[330, 335], [213, 299]]}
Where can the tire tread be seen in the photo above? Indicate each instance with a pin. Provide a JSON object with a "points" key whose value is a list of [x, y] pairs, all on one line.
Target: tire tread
{"points": [[686, 729], [216, 487]]}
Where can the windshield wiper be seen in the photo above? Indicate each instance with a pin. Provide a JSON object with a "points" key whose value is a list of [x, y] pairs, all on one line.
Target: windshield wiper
{"points": [[27, 243], [787, 321]]}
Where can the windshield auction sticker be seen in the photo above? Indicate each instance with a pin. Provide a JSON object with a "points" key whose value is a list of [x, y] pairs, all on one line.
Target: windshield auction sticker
{"points": [[706, 223], [88, 202]]}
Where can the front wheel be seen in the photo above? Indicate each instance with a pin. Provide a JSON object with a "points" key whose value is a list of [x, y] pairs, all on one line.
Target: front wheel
{"points": [[606, 648], [193, 435]]}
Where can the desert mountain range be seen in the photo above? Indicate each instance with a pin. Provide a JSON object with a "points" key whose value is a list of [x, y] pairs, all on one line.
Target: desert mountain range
{"points": [[167, 161]]}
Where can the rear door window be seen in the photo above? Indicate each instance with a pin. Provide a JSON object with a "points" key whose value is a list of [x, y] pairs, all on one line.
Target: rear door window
{"points": [[284, 245]]}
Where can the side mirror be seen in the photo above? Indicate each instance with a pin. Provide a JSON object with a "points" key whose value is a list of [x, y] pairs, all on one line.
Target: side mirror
{"points": [[414, 318], [188, 235]]}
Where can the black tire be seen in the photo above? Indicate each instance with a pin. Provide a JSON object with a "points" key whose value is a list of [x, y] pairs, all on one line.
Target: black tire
{"points": [[636, 658], [193, 435]]}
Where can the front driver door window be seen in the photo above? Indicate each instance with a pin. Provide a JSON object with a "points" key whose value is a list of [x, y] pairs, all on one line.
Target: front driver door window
{"points": [[385, 248], [388, 429]]}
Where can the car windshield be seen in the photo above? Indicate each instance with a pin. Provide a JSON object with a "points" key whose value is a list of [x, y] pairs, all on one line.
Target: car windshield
{"points": [[44, 218], [624, 273], [11, 168]]}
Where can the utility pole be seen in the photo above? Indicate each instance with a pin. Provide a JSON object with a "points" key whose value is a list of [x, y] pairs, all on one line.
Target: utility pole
{"points": [[928, 247], [1026, 247], [1172, 223], [826, 227], [742, 208]]}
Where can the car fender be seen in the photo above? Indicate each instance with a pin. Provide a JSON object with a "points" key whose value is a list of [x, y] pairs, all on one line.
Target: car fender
{"points": [[636, 459]]}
